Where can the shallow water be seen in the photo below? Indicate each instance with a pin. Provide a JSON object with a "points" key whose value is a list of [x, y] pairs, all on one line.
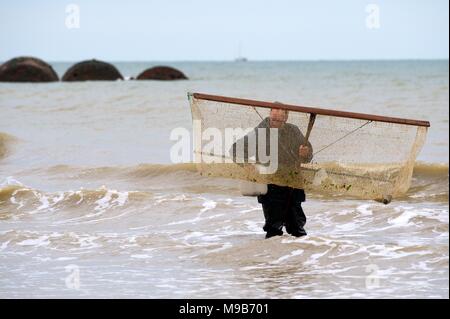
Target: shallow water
{"points": [[87, 191]]}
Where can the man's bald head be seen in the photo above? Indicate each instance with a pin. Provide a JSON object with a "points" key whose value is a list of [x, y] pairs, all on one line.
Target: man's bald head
{"points": [[278, 117]]}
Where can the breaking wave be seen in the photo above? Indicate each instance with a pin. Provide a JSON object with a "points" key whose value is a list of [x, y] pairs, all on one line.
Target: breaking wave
{"points": [[5, 142], [17, 200], [421, 170]]}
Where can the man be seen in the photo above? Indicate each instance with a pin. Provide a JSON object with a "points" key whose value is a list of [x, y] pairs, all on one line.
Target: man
{"points": [[282, 204]]}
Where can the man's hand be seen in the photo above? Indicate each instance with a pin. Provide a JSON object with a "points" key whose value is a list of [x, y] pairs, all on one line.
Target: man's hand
{"points": [[304, 151]]}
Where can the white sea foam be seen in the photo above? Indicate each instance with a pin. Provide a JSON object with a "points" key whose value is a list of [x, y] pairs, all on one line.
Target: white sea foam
{"points": [[195, 219], [4, 245], [159, 199], [364, 210], [314, 258], [45, 203], [254, 226], [141, 256], [252, 209], [11, 181], [112, 198], [36, 242], [350, 226], [225, 246], [292, 254], [408, 213], [14, 201], [208, 205], [66, 258]]}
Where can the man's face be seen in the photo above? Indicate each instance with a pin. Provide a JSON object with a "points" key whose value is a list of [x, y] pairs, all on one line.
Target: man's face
{"points": [[278, 117]]}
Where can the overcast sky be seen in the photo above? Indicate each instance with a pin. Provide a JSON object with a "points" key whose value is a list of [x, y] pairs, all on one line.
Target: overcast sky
{"points": [[147, 30]]}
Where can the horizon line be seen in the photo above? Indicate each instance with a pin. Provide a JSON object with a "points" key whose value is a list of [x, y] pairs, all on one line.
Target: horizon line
{"points": [[247, 61]]}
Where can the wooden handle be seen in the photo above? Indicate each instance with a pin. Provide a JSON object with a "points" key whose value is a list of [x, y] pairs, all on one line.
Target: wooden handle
{"points": [[312, 118]]}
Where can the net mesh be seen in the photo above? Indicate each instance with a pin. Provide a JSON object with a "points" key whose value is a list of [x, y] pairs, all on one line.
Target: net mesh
{"points": [[360, 158]]}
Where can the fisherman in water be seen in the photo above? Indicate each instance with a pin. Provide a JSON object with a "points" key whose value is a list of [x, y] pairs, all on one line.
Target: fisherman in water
{"points": [[282, 205]]}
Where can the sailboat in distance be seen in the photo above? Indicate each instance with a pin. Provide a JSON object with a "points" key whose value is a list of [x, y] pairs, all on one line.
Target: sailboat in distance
{"points": [[239, 57]]}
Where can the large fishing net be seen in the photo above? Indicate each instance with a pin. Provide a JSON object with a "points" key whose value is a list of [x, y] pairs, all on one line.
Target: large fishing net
{"points": [[359, 155]]}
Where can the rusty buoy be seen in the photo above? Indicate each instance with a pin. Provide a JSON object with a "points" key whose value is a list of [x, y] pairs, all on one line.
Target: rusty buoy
{"points": [[164, 73], [92, 70], [27, 69]]}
